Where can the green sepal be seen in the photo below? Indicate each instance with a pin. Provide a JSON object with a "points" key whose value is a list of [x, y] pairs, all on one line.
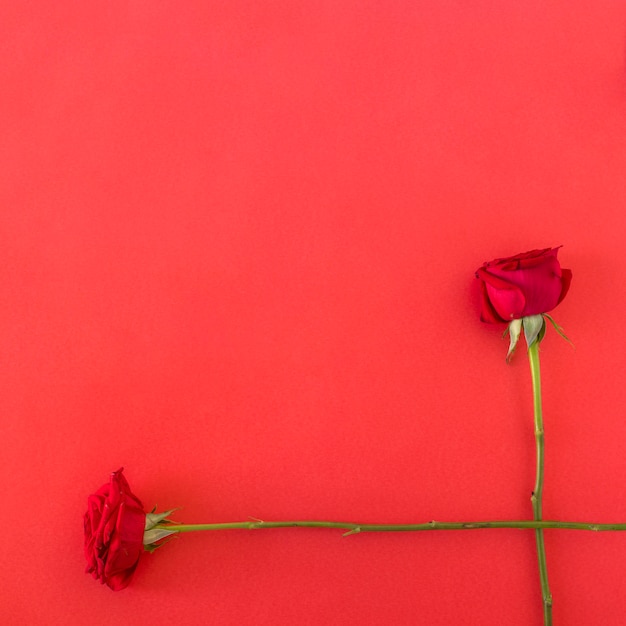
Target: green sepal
{"points": [[156, 529], [533, 325], [152, 519], [514, 329], [557, 328], [150, 537], [542, 333], [151, 547]]}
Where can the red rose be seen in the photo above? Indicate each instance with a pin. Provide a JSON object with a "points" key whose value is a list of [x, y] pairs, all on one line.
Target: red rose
{"points": [[114, 527], [530, 283]]}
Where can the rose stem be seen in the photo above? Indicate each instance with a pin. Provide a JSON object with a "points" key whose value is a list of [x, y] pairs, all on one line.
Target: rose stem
{"points": [[354, 528], [533, 357]]}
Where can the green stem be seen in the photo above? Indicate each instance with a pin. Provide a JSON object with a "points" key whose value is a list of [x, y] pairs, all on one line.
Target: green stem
{"points": [[533, 357], [354, 528]]}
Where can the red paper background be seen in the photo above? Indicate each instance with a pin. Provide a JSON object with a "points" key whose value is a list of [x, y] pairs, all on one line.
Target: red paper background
{"points": [[238, 242]]}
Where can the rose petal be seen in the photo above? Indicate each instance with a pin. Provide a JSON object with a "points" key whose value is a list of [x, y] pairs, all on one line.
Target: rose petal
{"points": [[114, 525], [566, 280]]}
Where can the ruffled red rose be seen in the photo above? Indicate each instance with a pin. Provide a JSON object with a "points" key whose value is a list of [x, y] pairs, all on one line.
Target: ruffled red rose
{"points": [[530, 283], [114, 527]]}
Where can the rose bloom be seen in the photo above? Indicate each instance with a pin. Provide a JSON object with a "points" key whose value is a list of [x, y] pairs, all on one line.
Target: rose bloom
{"points": [[530, 283], [114, 527]]}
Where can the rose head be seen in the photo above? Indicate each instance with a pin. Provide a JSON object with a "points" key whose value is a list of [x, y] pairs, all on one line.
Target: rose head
{"points": [[526, 284], [114, 527]]}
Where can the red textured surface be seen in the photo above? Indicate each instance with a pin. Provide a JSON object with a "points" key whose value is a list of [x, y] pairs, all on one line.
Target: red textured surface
{"points": [[238, 242]]}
